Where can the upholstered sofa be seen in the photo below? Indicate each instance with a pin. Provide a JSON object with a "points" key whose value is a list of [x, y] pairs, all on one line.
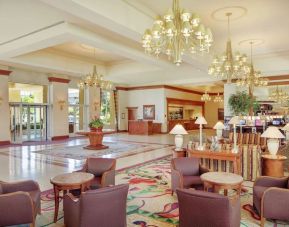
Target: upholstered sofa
{"points": [[23, 198]]}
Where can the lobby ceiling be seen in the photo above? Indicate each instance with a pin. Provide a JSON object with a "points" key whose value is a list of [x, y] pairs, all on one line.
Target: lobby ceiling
{"points": [[49, 38]]}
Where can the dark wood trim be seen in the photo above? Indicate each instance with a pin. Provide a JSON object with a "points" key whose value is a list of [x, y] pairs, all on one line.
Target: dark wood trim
{"points": [[185, 101], [165, 87], [280, 77], [131, 108], [58, 80], [4, 72], [65, 137], [278, 83], [5, 142], [120, 131]]}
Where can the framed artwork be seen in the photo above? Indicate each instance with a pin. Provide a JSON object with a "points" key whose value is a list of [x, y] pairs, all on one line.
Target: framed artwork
{"points": [[149, 112], [220, 114]]}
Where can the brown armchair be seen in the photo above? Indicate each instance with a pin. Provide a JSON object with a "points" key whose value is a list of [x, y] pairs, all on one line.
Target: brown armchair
{"points": [[104, 207], [24, 198], [271, 198], [103, 170], [186, 173], [203, 209]]}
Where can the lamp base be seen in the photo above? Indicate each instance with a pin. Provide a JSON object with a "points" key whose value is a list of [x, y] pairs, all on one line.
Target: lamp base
{"points": [[200, 148], [179, 142], [273, 146], [235, 150]]}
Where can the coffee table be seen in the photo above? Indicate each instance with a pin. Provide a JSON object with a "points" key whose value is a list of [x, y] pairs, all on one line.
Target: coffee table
{"points": [[222, 180], [69, 181]]}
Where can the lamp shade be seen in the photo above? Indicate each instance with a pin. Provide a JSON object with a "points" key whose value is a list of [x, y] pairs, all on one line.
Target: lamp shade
{"points": [[219, 125], [286, 127], [178, 130], [273, 133], [201, 121], [234, 120]]}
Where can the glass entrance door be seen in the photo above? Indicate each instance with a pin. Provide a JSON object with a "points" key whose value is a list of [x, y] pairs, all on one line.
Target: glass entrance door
{"points": [[28, 122]]}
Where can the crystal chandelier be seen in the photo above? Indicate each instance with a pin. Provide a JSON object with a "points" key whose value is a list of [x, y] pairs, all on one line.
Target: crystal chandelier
{"points": [[218, 98], [95, 80], [252, 78], [229, 66], [206, 97], [279, 96], [175, 33]]}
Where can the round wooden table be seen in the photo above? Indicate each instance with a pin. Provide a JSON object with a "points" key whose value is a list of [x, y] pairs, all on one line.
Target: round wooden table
{"points": [[69, 181], [273, 165], [222, 180]]}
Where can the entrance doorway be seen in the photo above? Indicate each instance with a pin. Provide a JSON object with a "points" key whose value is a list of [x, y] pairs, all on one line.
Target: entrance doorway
{"points": [[28, 122]]}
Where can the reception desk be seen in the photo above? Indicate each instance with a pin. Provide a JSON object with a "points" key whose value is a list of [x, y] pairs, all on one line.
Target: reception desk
{"points": [[187, 124], [140, 127]]}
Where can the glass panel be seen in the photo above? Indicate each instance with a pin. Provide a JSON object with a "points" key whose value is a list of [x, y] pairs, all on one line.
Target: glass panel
{"points": [[105, 107]]}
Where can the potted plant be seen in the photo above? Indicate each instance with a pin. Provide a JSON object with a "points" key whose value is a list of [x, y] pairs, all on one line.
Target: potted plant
{"points": [[241, 103], [96, 124]]}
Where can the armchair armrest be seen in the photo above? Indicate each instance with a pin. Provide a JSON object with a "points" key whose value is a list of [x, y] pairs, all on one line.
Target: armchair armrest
{"points": [[266, 181], [203, 169], [177, 179], [24, 186], [108, 178], [275, 204], [71, 207], [83, 169], [23, 210]]}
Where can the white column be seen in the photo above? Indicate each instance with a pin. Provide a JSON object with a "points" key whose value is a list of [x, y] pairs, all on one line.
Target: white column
{"points": [[94, 102], [4, 108], [58, 108]]}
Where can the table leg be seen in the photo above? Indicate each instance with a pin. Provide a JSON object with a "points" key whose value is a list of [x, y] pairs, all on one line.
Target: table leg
{"points": [[226, 192], [56, 200]]}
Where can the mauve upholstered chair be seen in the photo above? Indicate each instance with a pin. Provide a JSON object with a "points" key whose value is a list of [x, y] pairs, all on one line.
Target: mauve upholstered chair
{"points": [[104, 207], [185, 173], [271, 198], [207, 209], [103, 170], [19, 203]]}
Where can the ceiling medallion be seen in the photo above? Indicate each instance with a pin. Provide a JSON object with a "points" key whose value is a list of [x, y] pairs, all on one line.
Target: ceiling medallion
{"points": [[175, 33], [229, 66], [252, 78]]}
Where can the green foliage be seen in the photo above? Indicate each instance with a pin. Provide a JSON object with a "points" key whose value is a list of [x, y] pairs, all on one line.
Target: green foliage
{"points": [[240, 103], [96, 123], [105, 110]]}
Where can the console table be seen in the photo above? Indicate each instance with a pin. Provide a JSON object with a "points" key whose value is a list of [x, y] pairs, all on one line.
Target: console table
{"points": [[219, 155]]}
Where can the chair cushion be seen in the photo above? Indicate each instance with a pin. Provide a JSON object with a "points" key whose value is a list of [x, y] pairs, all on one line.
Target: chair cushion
{"points": [[35, 196], [187, 166], [192, 181], [259, 190], [1, 190], [257, 196], [95, 183]]}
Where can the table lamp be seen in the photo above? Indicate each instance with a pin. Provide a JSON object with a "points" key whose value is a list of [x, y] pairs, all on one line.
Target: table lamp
{"points": [[234, 121], [219, 126], [201, 121], [274, 135], [179, 131], [286, 129]]}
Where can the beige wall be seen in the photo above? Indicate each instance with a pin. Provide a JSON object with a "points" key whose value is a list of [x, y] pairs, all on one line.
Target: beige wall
{"points": [[4, 110], [211, 112]]}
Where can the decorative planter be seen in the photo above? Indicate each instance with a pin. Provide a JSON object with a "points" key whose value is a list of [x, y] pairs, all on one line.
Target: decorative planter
{"points": [[96, 129]]}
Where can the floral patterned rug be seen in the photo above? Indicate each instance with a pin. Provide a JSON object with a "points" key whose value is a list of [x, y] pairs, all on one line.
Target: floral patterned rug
{"points": [[149, 200]]}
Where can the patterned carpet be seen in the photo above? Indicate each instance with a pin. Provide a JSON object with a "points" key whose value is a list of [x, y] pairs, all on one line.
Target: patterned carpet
{"points": [[116, 150], [149, 201]]}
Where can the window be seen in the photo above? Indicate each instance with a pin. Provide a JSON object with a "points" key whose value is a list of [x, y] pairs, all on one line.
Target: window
{"points": [[73, 110], [105, 111]]}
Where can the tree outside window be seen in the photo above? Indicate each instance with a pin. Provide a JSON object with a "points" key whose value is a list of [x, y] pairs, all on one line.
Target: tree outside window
{"points": [[105, 113]]}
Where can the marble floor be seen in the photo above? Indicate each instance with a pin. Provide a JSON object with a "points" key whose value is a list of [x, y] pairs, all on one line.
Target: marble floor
{"points": [[20, 162]]}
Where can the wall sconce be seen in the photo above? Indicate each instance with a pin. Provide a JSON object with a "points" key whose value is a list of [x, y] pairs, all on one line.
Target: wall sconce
{"points": [[95, 104], [1, 100], [61, 103]]}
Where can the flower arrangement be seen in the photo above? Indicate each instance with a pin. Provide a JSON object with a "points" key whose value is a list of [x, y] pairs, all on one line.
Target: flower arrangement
{"points": [[96, 123]]}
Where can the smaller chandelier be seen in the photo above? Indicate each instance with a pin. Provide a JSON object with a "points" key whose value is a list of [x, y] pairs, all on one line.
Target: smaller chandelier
{"points": [[175, 33], [229, 66], [279, 96], [95, 80], [252, 78], [218, 98], [206, 97]]}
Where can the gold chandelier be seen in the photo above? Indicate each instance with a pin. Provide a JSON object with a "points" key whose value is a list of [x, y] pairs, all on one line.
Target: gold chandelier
{"points": [[252, 78], [206, 97], [218, 98], [279, 96], [95, 80], [229, 66], [175, 33]]}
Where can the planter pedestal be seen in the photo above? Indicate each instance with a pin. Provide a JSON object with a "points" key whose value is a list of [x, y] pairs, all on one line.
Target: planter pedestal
{"points": [[95, 140]]}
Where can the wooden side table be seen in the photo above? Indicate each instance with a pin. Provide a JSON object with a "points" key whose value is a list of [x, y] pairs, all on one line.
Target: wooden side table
{"points": [[69, 181], [179, 154], [273, 165]]}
